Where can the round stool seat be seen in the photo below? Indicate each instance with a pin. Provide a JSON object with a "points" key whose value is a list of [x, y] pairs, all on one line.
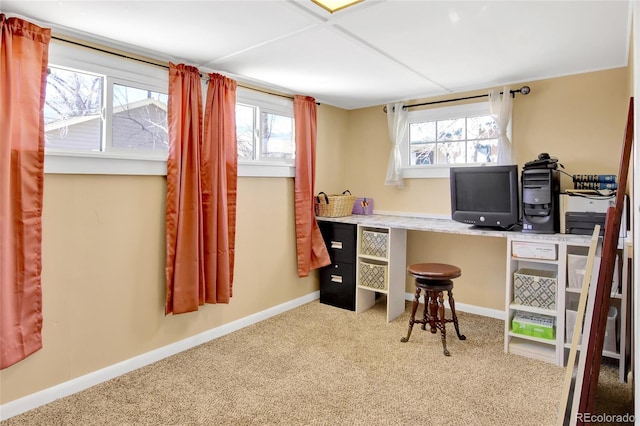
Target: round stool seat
{"points": [[434, 271]]}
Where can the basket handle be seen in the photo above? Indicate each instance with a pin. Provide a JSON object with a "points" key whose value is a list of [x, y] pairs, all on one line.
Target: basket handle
{"points": [[326, 199], [345, 191]]}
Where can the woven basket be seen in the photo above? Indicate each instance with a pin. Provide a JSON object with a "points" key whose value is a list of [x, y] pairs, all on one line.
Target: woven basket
{"points": [[334, 205]]}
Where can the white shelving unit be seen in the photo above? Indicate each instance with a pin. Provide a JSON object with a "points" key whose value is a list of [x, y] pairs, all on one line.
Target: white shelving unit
{"points": [[380, 268], [556, 350], [533, 347]]}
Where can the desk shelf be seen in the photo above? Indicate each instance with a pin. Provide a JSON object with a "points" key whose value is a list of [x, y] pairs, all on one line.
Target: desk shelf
{"points": [[532, 349], [532, 309], [381, 263], [546, 291]]}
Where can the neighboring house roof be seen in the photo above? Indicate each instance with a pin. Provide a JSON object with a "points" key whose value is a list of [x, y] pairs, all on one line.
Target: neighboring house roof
{"points": [[138, 125], [83, 118]]}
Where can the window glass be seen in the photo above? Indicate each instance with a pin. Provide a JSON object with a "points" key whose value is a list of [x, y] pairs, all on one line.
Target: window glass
{"points": [[264, 129], [277, 137], [465, 134], [73, 110], [139, 119], [245, 131], [451, 130]]}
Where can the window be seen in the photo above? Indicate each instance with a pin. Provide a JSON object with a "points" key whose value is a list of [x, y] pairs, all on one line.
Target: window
{"points": [[79, 116], [104, 114], [265, 133], [441, 137]]}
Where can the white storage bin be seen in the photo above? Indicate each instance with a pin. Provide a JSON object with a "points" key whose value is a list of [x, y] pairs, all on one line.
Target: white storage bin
{"points": [[576, 266], [611, 333], [570, 323], [530, 250]]}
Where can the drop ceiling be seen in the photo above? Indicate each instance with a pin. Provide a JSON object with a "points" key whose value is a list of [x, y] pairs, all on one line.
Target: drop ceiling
{"points": [[371, 53]]}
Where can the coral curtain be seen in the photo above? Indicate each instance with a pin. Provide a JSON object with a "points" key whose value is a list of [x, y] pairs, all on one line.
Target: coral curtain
{"points": [[201, 191], [397, 121], [311, 250], [184, 236], [500, 107], [24, 53], [219, 177]]}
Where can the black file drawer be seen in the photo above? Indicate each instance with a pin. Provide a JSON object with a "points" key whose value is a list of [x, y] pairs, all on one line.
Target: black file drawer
{"points": [[340, 239], [338, 286], [338, 280]]}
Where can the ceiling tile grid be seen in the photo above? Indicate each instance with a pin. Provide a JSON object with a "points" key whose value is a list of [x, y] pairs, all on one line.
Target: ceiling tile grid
{"points": [[371, 53]]}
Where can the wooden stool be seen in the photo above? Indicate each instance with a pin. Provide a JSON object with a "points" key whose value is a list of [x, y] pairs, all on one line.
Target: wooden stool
{"points": [[434, 278]]}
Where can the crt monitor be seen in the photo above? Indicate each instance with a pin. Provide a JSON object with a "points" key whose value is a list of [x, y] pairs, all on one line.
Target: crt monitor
{"points": [[485, 196]]}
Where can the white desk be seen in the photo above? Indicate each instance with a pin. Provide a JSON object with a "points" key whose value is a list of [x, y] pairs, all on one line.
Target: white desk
{"points": [[398, 225], [447, 226]]}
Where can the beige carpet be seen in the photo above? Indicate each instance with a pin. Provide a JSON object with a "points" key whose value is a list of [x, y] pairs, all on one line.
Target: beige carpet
{"points": [[319, 365]]}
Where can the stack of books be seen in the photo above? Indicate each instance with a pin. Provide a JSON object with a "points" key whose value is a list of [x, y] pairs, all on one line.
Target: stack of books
{"points": [[596, 182]]}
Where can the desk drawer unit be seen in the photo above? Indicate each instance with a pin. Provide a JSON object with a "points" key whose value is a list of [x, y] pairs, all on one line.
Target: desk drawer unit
{"points": [[338, 285], [338, 280]]}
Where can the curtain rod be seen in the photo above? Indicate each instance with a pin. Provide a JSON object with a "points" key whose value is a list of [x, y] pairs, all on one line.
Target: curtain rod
{"points": [[145, 60], [525, 90]]}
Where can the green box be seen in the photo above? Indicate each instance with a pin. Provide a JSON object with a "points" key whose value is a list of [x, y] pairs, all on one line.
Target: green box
{"points": [[534, 325]]}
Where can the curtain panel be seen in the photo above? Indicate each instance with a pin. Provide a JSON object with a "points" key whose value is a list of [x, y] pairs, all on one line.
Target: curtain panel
{"points": [[219, 171], [184, 236], [500, 108], [24, 53], [201, 191], [397, 121], [311, 250]]}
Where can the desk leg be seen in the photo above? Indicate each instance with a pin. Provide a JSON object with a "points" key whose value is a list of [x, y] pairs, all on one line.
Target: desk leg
{"points": [[397, 273], [395, 301], [365, 299]]}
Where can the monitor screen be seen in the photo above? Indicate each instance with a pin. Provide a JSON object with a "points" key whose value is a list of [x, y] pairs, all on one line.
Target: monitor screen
{"points": [[485, 195]]}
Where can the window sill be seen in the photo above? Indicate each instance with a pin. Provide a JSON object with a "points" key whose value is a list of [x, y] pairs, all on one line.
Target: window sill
{"points": [[425, 172], [102, 164], [265, 170], [113, 164]]}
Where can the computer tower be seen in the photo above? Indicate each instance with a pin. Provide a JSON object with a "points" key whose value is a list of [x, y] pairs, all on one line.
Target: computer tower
{"points": [[540, 201]]}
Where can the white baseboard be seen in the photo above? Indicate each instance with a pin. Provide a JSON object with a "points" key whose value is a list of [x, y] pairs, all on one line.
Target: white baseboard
{"points": [[472, 309], [48, 395]]}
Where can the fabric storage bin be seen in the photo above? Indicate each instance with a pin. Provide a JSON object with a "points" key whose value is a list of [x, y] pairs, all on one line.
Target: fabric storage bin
{"points": [[532, 287], [534, 325], [373, 275], [374, 243]]}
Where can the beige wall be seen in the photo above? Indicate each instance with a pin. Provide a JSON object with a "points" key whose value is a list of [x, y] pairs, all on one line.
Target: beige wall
{"points": [[103, 266], [580, 119], [103, 236]]}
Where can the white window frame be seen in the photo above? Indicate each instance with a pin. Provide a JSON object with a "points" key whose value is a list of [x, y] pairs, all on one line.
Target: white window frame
{"points": [[140, 75], [270, 104], [118, 71], [433, 114]]}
